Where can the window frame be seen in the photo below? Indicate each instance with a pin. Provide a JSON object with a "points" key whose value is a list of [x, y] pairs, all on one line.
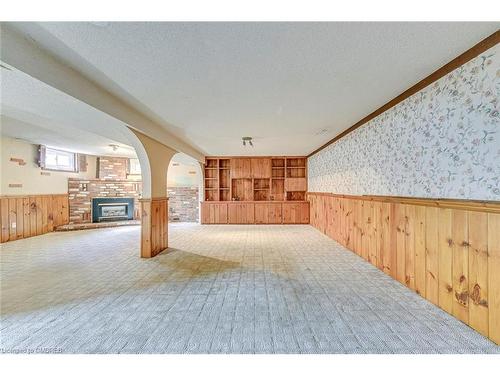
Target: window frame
{"points": [[43, 160]]}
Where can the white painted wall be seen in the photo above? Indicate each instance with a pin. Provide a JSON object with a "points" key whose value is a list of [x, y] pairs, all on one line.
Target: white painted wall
{"points": [[179, 175], [29, 175]]}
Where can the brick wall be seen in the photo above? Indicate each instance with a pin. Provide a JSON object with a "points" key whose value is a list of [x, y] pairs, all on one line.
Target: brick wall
{"points": [[81, 193], [183, 204], [110, 168]]}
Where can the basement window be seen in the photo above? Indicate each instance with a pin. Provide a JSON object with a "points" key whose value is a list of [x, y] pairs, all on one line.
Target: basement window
{"points": [[57, 160]]}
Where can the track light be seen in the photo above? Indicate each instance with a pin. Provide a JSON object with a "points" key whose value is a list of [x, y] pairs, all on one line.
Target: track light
{"points": [[247, 139]]}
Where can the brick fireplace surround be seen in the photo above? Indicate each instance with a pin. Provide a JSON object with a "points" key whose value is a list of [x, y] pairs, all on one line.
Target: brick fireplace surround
{"points": [[183, 201], [81, 193], [112, 182]]}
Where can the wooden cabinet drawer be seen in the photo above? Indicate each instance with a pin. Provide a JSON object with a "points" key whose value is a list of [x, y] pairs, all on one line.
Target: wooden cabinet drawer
{"points": [[295, 212], [241, 213]]}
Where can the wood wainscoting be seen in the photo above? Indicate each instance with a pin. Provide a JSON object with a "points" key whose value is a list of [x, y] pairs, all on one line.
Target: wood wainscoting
{"points": [[24, 216], [448, 251]]}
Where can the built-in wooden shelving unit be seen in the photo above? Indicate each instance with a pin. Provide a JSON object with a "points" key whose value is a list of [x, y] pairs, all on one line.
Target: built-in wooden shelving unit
{"points": [[241, 186], [255, 179]]}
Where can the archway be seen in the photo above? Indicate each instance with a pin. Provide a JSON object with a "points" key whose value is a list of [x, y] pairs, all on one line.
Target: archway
{"points": [[184, 189]]}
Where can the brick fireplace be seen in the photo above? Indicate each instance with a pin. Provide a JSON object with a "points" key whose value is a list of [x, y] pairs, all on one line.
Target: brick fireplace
{"points": [[112, 182], [82, 192]]}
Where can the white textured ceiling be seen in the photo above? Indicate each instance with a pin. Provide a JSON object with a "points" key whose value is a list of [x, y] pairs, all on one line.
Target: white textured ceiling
{"points": [[291, 86], [62, 138], [40, 114]]}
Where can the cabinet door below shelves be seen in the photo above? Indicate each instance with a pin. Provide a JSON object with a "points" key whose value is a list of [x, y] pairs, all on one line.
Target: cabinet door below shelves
{"points": [[268, 213], [241, 213], [296, 213], [275, 215], [261, 213], [214, 213]]}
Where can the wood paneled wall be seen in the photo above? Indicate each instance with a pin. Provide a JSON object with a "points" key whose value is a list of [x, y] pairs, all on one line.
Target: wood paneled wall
{"points": [[446, 251], [24, 216]]}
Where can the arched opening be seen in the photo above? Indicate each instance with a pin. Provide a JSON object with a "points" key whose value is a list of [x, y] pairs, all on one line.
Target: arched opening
{"points": [[184, 189]]}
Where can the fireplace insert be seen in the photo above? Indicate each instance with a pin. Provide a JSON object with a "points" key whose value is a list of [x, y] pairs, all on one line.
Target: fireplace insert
{"points": [[112, 209]]}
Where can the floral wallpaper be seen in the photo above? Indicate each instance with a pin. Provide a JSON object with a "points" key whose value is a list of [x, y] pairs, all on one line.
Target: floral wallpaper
{"points": [[442, 142]]}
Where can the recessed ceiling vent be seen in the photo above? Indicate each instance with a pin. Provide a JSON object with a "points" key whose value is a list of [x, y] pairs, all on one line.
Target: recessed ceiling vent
{"points": [[247, 140]]}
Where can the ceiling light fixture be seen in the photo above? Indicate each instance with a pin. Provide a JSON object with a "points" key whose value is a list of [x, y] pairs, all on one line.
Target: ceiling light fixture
{"points": [[114, 147], [247, 139]]}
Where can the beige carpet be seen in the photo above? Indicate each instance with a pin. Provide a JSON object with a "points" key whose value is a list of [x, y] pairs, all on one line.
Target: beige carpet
{"points": [[219, 289]]}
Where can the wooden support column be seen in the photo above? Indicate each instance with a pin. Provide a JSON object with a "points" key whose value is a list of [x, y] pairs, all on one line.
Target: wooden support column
{"points": [[154, 226]]}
